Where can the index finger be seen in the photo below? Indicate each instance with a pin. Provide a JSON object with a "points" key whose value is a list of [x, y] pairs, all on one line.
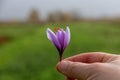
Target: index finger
{"points": [[91, 57]]}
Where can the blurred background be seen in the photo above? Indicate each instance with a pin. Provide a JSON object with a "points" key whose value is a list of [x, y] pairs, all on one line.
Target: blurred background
{"points": [[25, 51]]}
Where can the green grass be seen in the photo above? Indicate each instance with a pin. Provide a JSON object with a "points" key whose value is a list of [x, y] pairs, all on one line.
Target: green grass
{"points": [[31, 56]]}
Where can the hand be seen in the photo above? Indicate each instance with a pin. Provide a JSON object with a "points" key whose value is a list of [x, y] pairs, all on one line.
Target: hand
{"points": [[91, 66]]}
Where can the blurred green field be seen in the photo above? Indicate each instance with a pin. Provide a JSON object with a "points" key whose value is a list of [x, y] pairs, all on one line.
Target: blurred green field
{"points": [[31, 56]]}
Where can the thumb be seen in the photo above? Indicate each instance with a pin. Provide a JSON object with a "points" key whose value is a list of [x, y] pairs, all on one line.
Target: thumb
{"points": [[75, 70]]}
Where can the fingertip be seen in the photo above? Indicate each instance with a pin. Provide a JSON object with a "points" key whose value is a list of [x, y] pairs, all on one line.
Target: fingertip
{"points": [[61, 66], [57, 66]]}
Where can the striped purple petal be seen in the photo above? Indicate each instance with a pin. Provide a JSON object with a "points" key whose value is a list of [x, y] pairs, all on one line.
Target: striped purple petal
{"points": [[67, 37], [61, 36], [53, 38]]}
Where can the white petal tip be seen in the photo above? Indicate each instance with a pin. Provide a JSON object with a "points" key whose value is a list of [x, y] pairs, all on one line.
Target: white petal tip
{"points": [[67, 28], [48, 29]]}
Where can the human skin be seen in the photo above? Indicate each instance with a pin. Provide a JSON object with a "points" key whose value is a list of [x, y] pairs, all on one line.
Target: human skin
{"points": [[91, 66]]}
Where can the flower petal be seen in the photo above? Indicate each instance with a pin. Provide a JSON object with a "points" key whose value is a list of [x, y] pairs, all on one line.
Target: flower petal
{"points": [[67, 37], [61, 36], [52, 37]]}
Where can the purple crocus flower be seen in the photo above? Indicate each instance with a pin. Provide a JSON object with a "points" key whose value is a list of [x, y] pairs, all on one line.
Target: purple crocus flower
{"points": [[60, 39]]}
